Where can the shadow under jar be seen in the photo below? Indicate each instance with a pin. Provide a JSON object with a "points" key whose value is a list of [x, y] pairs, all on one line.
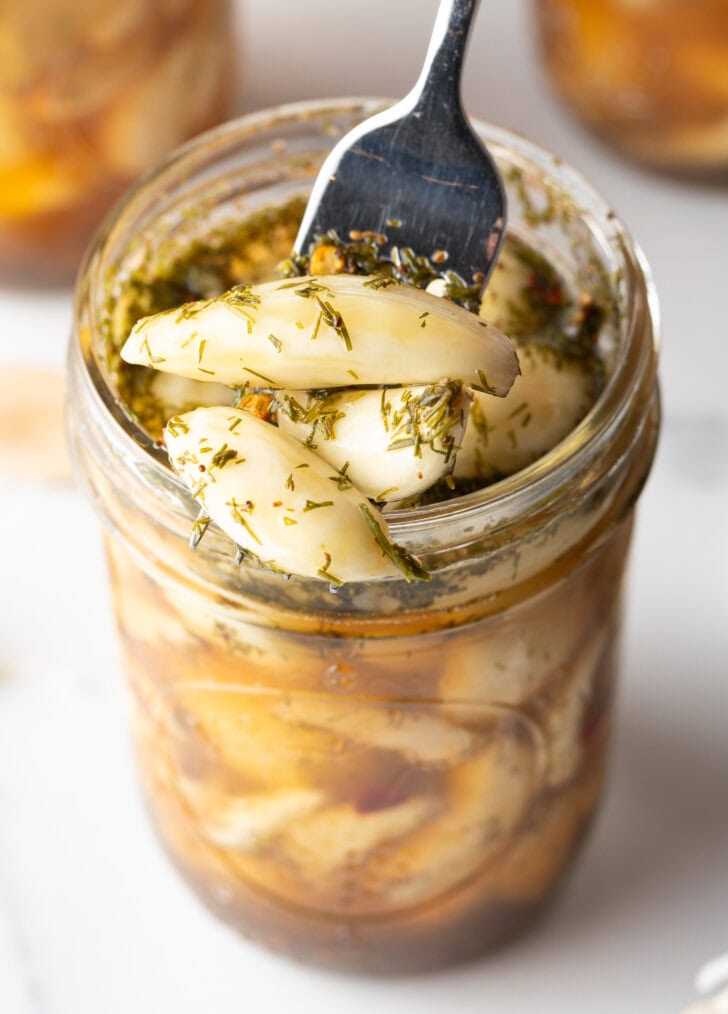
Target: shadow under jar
{"points": [[396, 776], [92, 93]]}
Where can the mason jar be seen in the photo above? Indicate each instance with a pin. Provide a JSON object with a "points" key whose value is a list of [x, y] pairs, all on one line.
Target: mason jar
{"points": [[650, 76], [396, 776], [92, 93]]}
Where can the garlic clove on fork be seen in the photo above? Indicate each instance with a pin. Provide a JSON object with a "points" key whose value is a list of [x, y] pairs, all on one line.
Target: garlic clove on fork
{"points": [[326, 332], [279, 501]]}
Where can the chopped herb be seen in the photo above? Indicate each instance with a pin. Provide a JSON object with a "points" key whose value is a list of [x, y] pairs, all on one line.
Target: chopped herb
{"points": [[342, 480], [381, 281], [289, 521], [240, 295], [234, 422], [275, 342], [225, 454], [189, 340], [236, 510], [260, 376], [199, 527], [326, 574], [404, 561], [176, 425], [485, 387], [312, 505]]}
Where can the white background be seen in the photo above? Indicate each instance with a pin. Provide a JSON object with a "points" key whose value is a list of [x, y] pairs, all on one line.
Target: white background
{"points": [[92, 919]]}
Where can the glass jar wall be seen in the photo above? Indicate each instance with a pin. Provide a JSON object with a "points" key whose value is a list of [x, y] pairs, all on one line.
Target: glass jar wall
{"points": [[394, 776]]}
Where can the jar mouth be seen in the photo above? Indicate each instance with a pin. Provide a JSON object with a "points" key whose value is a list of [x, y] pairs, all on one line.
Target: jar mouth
{"points": [[507, 498]]}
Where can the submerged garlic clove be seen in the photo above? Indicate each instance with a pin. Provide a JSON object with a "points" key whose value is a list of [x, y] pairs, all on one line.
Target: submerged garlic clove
{"points": [[418, 736], [322, 333], [545, 403], [340, 837], [392, 444], [279, 501]]}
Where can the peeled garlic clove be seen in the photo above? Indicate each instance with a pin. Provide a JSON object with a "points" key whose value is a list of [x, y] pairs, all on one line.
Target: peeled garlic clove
{"points": [[325, 332], [546, 402], [342, 836], [420, 737], [180, 394], [485, 799], [503, 300], [279, 501], [245, 822], [391, 444], [237, 728], [566, 708]]}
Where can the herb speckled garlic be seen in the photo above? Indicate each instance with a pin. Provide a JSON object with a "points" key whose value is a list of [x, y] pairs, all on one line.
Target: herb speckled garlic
{"points": [[545, 403], [279, 501], [322, 333], [392, 444]]}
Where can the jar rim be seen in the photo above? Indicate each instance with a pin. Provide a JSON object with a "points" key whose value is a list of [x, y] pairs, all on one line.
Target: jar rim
{"points": [[531, 486]]}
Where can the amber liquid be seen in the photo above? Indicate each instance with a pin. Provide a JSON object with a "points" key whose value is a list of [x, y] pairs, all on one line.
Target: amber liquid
{"points": [[374, 803], [91, 95], [651, 76]]}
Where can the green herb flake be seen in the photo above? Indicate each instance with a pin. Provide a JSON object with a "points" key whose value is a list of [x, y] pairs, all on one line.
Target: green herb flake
{"points": [[404, 561], [222, 456], [260, 376], [342, 480], [312, 505], [177, 425], [275, 342], [240, 295], [236, 509], [199, 527], [326, 574], [485, 387]]}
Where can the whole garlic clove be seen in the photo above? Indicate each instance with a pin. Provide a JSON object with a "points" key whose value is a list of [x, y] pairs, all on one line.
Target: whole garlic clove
{"points": [[279, 501], [392, 444], [323, 333], [544, 405]]}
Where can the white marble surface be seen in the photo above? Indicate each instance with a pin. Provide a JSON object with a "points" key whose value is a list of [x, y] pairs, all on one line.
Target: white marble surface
{"points": [[93, 920]]}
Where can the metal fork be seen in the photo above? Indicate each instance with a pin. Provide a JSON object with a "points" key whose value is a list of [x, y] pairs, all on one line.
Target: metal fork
{"points": [[417, 172]]}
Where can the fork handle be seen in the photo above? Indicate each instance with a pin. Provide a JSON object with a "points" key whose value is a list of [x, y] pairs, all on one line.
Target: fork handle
{"points": [[438, 86]]}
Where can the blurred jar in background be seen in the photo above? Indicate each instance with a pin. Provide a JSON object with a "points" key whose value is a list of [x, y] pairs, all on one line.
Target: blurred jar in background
{"points": [[651, 76], [93, 92]]}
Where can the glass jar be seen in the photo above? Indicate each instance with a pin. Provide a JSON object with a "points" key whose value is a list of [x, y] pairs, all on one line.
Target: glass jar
{"points": [[395, 776], [651, 76], [93, 92]]}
